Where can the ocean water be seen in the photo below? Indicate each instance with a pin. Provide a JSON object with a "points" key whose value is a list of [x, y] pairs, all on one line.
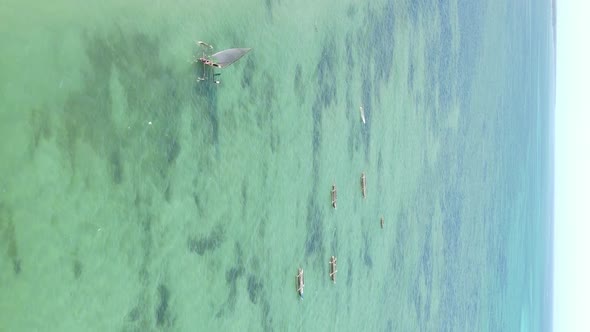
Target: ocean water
{"points": [[135, 198]]}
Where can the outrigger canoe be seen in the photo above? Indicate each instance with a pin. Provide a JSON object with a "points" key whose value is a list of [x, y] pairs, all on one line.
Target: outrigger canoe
{"points": [[364, 185], [333, 268], [300, 282], [334, 196]]}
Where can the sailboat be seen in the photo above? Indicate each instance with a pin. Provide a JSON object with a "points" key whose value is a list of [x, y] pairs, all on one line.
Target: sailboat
{"points": [[220, 59]]}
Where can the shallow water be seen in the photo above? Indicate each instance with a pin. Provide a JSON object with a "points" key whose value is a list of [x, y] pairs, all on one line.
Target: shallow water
{"points": [[134, 198]]}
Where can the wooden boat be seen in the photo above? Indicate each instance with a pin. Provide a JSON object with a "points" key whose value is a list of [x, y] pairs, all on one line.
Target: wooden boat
{"points": [[364, 184], [334, 196], [300, 282], [382, 222], [333, 268]]}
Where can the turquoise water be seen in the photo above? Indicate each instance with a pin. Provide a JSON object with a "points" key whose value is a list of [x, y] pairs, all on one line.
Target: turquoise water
{"points": [[134, 198]]}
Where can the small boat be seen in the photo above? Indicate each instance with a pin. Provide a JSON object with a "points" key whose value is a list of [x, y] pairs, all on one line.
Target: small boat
{"points": [[382, 222], [220, 59], [334, 196], [364, 184], [362, 114], [204, 45], [300, 282], [333, 268]]}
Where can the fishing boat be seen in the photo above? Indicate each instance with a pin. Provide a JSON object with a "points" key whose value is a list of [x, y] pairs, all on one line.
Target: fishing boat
{"points": [[334, 195], [220, 59], [333, 268], [300, 282], [382, 222], [364, 184]]}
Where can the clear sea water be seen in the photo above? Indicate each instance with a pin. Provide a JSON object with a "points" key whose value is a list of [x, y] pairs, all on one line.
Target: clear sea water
{"points": [[134, 198]]}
